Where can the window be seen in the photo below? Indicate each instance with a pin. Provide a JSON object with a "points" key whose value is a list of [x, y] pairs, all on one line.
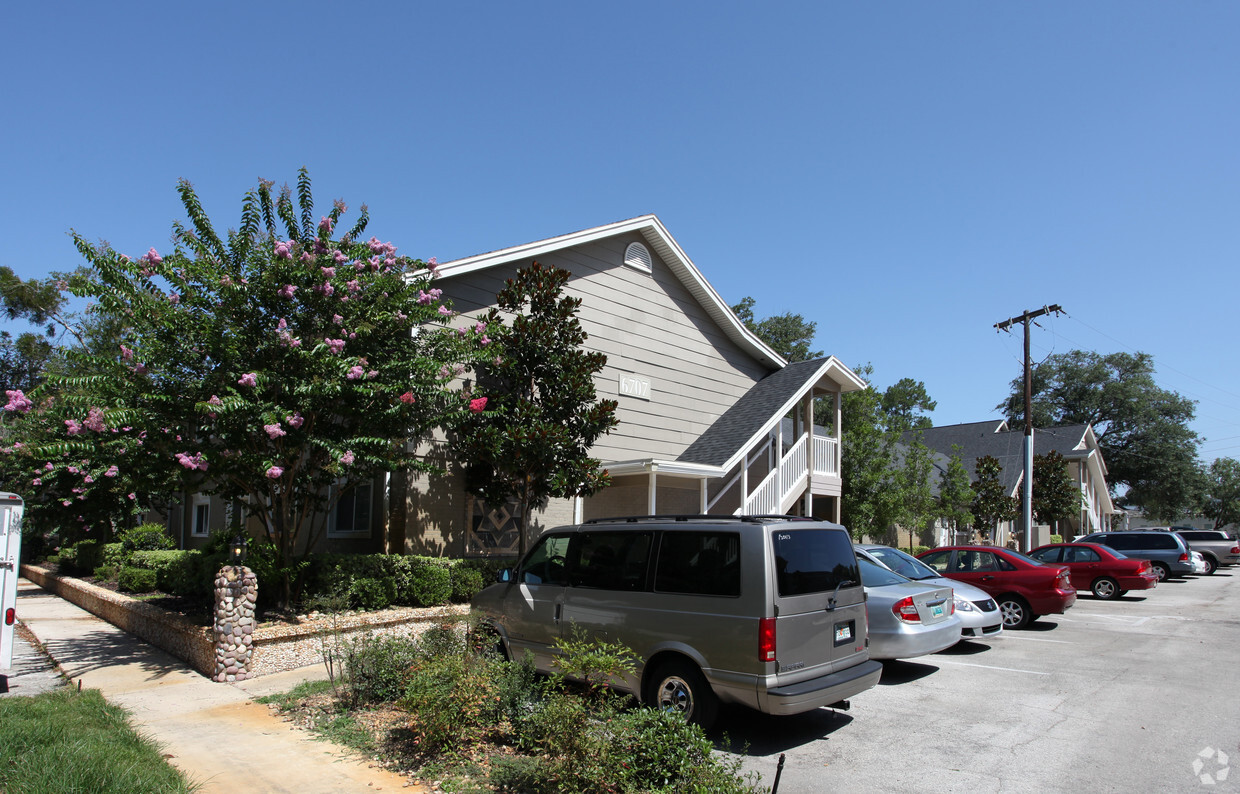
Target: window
{"points": [[637, 256], [1047, 555], [937, 560], [610, 560], [200, 522], [1081, 554], [813, 561], [351, 518], [547, 563], [699, 563]]}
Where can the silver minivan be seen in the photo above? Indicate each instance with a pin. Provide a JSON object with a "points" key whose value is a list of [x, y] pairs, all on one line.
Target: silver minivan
{"points": [[764, 612]]}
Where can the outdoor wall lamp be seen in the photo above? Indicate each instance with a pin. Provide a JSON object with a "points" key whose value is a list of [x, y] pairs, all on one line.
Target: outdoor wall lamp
{"points": [[236, 550]]}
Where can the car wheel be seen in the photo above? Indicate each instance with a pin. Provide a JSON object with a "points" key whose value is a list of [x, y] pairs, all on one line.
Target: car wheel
{"points": [[678, 686], [1211, 565], [1105, 588], [1162, 570], [1015, 611]]}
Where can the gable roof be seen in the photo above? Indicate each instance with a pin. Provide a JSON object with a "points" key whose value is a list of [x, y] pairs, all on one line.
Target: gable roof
{"points": [[760, 409], [652, 229]]}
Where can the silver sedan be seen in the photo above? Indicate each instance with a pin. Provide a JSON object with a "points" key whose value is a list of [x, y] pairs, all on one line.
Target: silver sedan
{"points": [[906, 618], [978, 613]]}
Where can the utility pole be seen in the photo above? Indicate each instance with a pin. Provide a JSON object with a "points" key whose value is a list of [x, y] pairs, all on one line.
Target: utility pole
{"points": [[1026, 491]]}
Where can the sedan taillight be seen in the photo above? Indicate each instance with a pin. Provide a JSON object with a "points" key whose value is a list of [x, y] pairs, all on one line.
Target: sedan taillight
{"points": [[1234, 550], [906, 610]]}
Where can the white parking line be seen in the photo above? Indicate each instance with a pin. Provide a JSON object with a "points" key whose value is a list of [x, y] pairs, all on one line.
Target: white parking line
{"points": [[990, 667], [1014, 636]]}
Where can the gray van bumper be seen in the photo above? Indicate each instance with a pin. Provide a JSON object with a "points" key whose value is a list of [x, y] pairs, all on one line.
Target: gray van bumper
{"points": [[816, 692]]}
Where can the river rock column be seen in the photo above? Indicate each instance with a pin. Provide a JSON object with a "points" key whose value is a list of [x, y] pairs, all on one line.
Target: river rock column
{"points": [[236, 593]]}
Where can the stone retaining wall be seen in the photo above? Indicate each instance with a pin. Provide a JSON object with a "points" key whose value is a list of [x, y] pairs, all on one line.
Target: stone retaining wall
{"points": [[175, 634], [278, 646]]}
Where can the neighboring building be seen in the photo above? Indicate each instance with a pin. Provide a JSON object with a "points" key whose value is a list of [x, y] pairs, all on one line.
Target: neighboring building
{"points": [[701, 404], [1076, 443]]}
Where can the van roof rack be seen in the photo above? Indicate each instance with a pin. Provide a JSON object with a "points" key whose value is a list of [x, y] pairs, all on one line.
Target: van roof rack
{"points": [[696, 517]]}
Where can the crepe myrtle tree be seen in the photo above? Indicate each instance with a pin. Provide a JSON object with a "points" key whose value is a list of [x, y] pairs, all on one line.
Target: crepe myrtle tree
{"points": [[274, 365], [529, 433]]}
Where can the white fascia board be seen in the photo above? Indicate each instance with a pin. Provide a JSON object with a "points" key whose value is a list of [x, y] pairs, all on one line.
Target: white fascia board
{"points": [[653, 230], [673, 467], [830, 366]]}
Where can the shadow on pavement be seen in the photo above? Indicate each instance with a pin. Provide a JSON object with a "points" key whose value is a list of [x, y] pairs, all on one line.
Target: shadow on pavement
{"points": [[1043, 623], [93, 650], [762, 734], [897, 671], [965, 648]]}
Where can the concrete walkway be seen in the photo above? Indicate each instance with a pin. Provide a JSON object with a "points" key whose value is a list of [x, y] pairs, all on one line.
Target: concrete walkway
{"points": [[215, 733]]}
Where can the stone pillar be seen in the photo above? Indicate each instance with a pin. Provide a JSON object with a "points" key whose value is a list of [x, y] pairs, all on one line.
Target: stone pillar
{"points": [[236, 593]]}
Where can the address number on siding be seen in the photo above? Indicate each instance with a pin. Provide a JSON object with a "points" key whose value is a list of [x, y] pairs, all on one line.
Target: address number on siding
{"points": [[633, 386]]}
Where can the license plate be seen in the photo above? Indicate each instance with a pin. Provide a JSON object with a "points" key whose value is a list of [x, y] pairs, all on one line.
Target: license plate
{"points": [[936, 610], [843, 633]]}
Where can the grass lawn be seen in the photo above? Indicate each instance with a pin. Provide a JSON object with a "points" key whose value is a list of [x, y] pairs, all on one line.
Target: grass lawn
{"points": [[70, 742]]}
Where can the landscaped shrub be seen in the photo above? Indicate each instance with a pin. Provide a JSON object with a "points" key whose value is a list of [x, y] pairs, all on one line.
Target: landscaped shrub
{"points": [[147, 537], [369, 593], [113, 554], [89, 556], [466, 582], [107, 573], [135, 580], [1056, 539], [430, 585], [375, 668], [181, 572]]}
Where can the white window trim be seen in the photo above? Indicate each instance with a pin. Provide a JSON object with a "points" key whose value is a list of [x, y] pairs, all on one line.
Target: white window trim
{"points": [[200, 500], [362, 487]]}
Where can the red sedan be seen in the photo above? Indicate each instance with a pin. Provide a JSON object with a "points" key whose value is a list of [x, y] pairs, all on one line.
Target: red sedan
{"points": [[1024, 588], [1099, 569]]}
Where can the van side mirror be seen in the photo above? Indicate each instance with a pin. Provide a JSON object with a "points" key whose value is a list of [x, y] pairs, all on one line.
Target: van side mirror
{"points": [[504, 576]]}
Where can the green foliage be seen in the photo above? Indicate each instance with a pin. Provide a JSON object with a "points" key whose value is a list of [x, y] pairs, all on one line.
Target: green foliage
{"points": [[466, 582], [790, 335], [113, 554], [371, 594], [593, 661], [266, 366], [530, 439], [955, 493], [1056, 539], [187, 573], [430, 585], [70, 741], [1055, 495], [991, 502], [147, 537], [1142, 429], [375, 668], [107, 573], [136, 580], [1222, 493]]}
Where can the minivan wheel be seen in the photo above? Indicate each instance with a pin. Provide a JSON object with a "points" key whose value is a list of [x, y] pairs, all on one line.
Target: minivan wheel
{"points": [[1015, 611], [1105, 588], [1162, 570], [678, 686]]}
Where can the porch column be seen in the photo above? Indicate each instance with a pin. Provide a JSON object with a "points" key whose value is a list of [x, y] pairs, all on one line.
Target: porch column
{"points": [[651, 501], [702, 496]]}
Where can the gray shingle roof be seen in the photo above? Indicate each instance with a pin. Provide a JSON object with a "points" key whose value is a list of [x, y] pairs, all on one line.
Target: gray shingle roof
{"points": [[732, 431], [978, 439]]}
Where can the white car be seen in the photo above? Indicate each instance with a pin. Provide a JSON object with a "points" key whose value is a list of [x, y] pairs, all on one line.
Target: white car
{"points": [[1199, 563]]}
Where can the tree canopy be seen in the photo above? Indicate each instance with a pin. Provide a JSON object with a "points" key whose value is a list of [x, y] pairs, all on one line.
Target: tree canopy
{"points": [[1055, 495], [1142, 429], [790, 335], [1222, 493], [530, 430], [273, 364]]}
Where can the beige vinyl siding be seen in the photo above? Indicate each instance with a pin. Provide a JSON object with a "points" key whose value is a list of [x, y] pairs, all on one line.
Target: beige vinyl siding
{"points": [[648, 326]]}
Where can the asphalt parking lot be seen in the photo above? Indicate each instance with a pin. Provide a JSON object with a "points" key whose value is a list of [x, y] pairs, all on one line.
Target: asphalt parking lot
{"points": [[1134, 695]]}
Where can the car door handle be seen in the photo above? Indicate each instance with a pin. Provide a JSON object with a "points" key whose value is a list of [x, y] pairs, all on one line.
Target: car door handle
{"points": [[987, 578]]}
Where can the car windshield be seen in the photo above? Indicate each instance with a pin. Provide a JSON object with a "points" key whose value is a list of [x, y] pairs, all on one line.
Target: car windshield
{"points": [[902, 563], [877, 576]]}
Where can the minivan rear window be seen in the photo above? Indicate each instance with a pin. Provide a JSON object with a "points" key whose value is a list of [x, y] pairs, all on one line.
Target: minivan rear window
{"points": [[699, 563], [813, 561]]}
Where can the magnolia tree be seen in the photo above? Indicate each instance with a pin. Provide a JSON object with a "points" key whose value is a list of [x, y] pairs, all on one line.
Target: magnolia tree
{"points": [[274, 365], [528, 437]]}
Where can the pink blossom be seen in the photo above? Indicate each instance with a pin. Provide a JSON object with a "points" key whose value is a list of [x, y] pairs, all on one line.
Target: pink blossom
{"points": [[480, 327], [194, 462], [347, 458], [88, 479], [325, 225], [248, 379], [284, 250], [174, 298], [445, 311], [374, 244], [36, 481], [18, 401], [326, 288], [275, 473], [328, 272], [295, 421], [61, 284], [374, 373], [48, 466], [126, 354], [354, 373], [66, 502], [94, 420], [132, 495], [153, 257], [407, 398], [484, 341], [226, 281], [111, 472], [354, 286], [476, 406], [336, 345], [74, 426], [274, 431], [280, 326], [215, 400], [287, 291], [337, 319], [352, 334], [339, 257], [307, 257]]}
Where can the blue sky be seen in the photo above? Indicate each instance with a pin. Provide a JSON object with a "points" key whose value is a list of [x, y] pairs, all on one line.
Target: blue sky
{"points": [[905, 174]]}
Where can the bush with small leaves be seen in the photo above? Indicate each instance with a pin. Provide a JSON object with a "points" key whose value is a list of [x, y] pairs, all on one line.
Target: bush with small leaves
{"points": [[147, 537], [136, 580]]}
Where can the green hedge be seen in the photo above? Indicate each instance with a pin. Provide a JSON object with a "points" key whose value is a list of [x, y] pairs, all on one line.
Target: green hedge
{"points": [[136, 580], [375, 581], [188, 573]]}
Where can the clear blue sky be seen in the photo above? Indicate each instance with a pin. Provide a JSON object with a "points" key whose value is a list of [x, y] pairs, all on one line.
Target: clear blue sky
{"points": [[905, 174]]}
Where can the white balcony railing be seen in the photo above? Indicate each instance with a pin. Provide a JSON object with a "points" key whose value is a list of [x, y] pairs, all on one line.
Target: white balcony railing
{"points": [[826, 456]]}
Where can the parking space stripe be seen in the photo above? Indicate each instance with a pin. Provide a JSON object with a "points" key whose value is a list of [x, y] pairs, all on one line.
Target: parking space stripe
{"points": [[1007, 636], [990, 667]]}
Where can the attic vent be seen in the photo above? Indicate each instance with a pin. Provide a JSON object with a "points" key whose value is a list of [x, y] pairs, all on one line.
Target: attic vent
{"points": [[637, 256]]}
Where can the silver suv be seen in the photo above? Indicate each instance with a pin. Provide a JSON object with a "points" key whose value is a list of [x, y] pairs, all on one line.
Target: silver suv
{"points": [[764, 612], [1166, 551]]}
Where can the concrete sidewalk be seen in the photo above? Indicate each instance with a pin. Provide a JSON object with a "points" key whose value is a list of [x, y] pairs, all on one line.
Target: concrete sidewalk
{"points": [[213, 732]]}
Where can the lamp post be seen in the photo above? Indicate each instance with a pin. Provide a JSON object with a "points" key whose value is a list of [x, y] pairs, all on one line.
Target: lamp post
{"points": [[236, 549]]}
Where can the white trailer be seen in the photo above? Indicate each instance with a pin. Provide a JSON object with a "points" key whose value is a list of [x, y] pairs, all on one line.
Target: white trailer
{"points": [[11, 508]]}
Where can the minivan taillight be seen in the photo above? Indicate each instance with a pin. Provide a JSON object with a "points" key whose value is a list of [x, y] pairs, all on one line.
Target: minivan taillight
{"points": [[906, 610], [1184, 557], [1235, 550], [766, 639]]}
